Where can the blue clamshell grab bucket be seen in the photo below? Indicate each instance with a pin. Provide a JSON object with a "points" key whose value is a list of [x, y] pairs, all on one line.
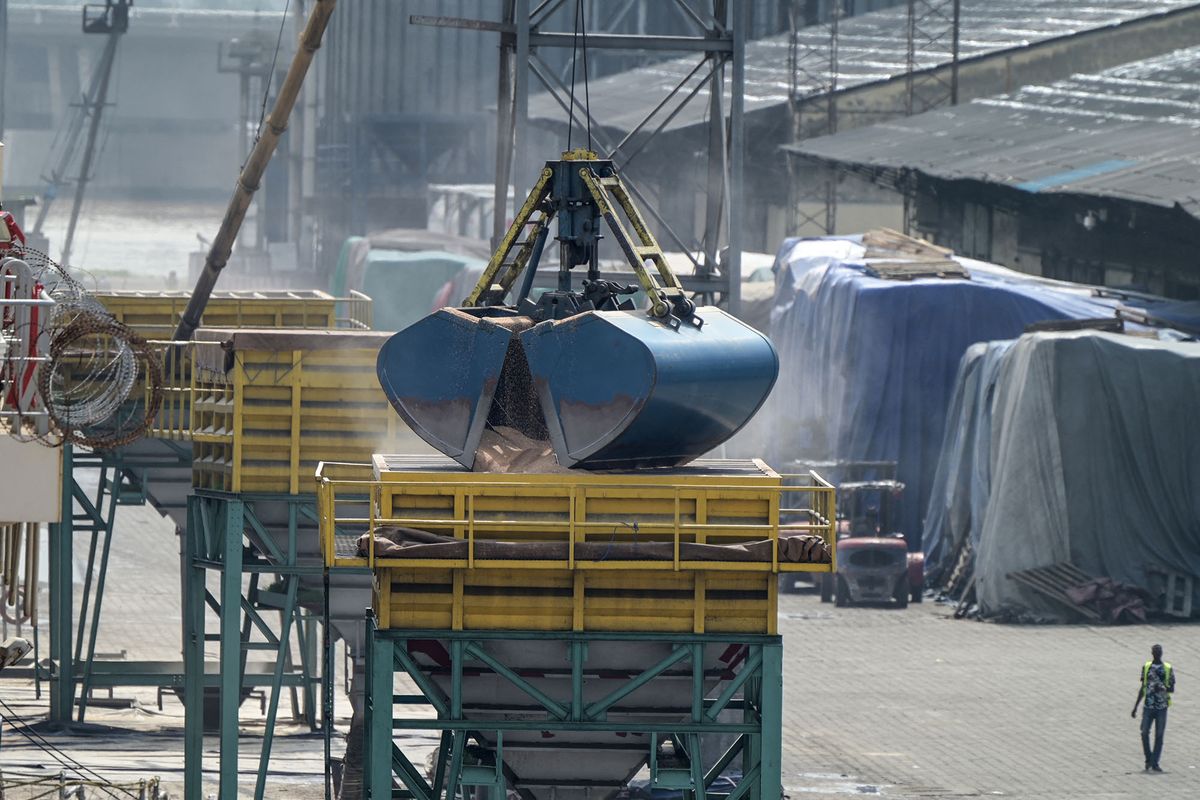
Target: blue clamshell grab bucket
{"points": [[607, 389]]}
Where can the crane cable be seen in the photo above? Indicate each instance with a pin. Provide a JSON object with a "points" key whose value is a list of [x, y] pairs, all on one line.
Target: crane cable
{"points": [[579, 42], [63, 758]]}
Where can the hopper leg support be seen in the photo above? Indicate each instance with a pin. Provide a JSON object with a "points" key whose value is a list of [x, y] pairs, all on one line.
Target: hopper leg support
{"points": [[770, 709], [377, 749], [231, 647], [476, 699], [229, 534], [62, 689], [193, 655]]}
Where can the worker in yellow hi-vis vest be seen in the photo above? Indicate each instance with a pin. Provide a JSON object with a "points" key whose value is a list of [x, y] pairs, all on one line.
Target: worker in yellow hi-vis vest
{"points": [[1158, 684]]}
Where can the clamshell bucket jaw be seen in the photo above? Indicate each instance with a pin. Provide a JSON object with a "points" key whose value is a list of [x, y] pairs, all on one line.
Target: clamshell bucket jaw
{"points": [[605, 389], [441, 374], [619, 390]]}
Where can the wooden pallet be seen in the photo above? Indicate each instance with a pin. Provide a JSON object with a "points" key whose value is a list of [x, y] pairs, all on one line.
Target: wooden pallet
{"points": [[1054, 581], [894, 256]]}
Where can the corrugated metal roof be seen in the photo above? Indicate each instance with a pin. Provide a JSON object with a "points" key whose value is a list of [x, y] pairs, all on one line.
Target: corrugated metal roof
{"points": [[1130, 133], [872, 47]]}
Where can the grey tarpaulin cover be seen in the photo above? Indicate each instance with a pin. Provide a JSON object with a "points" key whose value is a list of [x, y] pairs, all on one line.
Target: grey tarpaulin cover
{"points": [[962, 480], [1093, 456]]}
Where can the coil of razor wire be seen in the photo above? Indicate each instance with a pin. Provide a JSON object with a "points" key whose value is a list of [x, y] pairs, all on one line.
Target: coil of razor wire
{"points": [[94, 363]]}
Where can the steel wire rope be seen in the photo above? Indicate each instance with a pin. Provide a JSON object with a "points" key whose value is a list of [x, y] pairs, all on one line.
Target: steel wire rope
{"points": [[58, 755], [587, 100], [579, 42], [633, 526], [574, 64], [262, 114]]}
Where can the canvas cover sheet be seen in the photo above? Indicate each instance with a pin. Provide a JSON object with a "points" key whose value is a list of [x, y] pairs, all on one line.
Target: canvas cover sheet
{"points": [[867, 365], [962, 480], [1094, 459]]}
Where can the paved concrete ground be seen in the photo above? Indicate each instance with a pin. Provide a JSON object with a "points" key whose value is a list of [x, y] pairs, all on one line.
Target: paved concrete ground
{"points": [[900, 704], [915, 704]]}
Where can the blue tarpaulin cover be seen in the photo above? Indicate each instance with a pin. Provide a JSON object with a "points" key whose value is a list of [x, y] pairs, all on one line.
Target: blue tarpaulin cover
{"points": [[867, 365]]}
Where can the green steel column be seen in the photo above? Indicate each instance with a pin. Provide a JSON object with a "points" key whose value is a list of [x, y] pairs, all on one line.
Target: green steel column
{"points": [[327, 666], [231, 646], [377, 749], [751, 713], [62, 689], [771, 714], [193, 652], [578, 655]]}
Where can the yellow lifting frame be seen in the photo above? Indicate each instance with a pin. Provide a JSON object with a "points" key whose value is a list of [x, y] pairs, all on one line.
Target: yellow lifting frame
{"points": [[532, 203], [637, 254], [665, 296]]}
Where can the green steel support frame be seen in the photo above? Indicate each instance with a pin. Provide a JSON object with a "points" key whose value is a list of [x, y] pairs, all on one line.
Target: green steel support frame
{"points": [[756, 689], [217, 540], [121, 481], [62, 588]]}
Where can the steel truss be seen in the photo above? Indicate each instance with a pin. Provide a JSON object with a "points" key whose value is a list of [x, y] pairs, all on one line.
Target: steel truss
{"points": [[812, 87], [930, 81], [933, 31], [756, 690], [718, 41], [932, 41], [225, 535]]}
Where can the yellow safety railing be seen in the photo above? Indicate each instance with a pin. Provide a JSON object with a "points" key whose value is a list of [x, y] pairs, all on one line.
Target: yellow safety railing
{"points": [[355, 312], [176, 414], [351, 503], [155, 314]]}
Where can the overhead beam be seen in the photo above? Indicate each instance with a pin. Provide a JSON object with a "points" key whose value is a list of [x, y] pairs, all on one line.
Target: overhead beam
{"points": [[598, 41]]}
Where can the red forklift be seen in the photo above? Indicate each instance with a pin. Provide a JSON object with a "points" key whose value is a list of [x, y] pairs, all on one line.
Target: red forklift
{"points": [[874, 562]]}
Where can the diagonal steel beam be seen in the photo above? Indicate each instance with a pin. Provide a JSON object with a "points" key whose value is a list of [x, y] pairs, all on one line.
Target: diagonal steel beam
{"points": [[599, 136], [597, 708], [557, 710], [749, 670], [409, 775], [436, 697]]}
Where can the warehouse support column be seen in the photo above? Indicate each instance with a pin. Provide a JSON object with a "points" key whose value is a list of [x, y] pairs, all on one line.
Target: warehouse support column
{"points": [[231, 645], [62, 587], [522, 174]]}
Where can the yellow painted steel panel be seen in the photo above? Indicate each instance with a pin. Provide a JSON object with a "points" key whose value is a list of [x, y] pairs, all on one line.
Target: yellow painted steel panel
{"points": [[279, 414], [155, 315], [572, 594]]}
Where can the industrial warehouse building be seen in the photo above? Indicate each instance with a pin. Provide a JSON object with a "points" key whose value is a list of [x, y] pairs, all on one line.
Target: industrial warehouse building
{"points": [[826, 83], [1093, 179]]}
